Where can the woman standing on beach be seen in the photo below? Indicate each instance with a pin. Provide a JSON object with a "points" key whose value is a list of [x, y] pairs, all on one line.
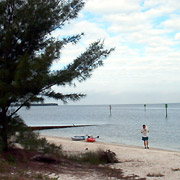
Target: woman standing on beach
{"points": [[145, 132]]}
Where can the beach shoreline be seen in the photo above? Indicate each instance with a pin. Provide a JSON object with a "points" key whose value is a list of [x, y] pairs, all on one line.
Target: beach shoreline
{"points": [[150, 163], [111, 143]]}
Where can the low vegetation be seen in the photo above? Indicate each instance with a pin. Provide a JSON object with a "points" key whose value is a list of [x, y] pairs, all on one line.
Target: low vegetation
{"points": [[37, 159], [95, 157], [24, 164], [15, 164], [31, 141]]}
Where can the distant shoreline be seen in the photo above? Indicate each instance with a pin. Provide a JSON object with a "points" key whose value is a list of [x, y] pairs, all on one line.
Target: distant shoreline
{"points": [[44, 104]]}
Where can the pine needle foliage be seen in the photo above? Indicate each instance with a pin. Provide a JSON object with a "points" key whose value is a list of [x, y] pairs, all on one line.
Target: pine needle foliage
{"points": [[27, 52]]}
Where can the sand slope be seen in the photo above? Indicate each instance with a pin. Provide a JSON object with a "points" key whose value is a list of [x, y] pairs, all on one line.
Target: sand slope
{"points": [[146, 163]]}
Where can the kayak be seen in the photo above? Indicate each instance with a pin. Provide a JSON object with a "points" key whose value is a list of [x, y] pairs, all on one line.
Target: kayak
{"points": [[90, 139], [78, 138]]}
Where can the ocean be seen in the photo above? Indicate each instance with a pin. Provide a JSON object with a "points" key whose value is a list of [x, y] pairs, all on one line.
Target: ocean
{"points": [[122, 126]]}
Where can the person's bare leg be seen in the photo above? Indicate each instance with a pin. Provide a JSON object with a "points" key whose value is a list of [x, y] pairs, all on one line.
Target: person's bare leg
{"points": [[147, 143]]}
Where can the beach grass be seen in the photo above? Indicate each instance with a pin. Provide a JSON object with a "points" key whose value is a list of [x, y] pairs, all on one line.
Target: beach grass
{"points": [[94, 157]]}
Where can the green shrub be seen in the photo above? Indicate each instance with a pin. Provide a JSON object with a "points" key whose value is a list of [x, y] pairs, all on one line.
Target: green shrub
{"points": [[31, 141], [28, 140]]}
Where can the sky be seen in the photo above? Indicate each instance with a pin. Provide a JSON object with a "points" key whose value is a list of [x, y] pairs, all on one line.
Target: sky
{"points": [[145, 66]]}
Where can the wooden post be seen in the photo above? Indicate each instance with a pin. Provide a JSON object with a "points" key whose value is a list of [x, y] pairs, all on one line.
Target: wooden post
{"points": [[166, 106], [110, 108], [144, 107]]}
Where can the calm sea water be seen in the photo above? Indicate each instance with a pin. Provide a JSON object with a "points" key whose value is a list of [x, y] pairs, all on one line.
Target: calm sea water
{"points": [[123, 126]]}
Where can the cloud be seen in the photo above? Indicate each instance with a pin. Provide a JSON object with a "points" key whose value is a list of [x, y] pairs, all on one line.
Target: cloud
{"points": [[172, 24], [145, 64], [177, 36], [115, 6]]}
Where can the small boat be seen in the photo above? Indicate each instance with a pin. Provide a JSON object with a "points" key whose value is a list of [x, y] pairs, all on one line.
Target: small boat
{"points": [[78, 138], [90, 139]]}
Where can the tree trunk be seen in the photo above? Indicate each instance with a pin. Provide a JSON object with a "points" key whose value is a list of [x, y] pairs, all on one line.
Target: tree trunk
{"points": [[4, 130]]}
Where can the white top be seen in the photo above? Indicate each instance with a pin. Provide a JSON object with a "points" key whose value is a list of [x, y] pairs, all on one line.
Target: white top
{"points": [[145, 131]]}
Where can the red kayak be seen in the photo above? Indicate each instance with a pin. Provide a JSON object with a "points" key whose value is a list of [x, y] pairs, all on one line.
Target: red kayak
{"points": [[90, 139]]}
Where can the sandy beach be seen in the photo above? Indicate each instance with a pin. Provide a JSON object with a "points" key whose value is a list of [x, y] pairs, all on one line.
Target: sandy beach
{"points": [[152, 164]]}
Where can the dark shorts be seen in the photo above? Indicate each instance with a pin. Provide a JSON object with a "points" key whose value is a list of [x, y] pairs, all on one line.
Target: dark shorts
{"points": [[145, 138]]}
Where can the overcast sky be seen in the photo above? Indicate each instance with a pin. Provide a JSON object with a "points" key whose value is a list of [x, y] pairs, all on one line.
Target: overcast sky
{"points": [[145, 67]]}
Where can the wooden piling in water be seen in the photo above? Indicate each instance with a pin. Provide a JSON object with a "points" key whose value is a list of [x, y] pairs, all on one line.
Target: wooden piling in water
{"points": [[166, 106], [110, 108], [144, 107]]}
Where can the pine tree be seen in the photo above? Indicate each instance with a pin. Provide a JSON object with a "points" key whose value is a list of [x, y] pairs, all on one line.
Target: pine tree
{"points": [[27, 52]]}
